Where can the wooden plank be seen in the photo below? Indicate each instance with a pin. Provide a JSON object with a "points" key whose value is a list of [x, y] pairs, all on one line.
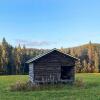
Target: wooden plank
{"points": [[50, 66], [31, 74]]}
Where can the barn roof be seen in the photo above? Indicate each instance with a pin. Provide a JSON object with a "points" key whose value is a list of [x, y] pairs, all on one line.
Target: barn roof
{"points": [[41, 55]]}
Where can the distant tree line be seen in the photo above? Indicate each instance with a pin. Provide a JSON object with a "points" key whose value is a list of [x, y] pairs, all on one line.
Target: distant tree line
{"points": [[12, 59], [89, 56]]}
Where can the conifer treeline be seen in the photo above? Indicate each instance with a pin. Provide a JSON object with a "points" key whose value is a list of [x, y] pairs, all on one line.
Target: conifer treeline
{"points": [[12, 59], [89, 56]]}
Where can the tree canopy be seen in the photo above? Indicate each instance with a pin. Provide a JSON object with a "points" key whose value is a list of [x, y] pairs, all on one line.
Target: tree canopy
{"points": [[12, 59]]}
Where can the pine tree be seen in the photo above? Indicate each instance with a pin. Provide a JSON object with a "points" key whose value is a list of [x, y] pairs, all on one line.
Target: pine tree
{"points": [[96, 62], [1, 69], [72, 52], [24, 59], [4, 57], [90, 56], [85, 65], [18, 59]]}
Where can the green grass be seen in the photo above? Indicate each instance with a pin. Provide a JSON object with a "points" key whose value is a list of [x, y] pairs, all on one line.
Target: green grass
{"points": [[91, 91]]}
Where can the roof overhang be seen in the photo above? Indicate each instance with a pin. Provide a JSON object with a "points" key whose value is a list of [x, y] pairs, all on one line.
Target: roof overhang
{"points": [[41, 55]]}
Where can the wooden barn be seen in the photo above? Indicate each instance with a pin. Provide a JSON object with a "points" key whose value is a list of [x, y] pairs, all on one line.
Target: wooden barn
{"points": [[52, 66]]}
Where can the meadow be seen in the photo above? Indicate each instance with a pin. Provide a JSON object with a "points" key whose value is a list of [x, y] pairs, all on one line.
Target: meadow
{"points": [[90, 91]]}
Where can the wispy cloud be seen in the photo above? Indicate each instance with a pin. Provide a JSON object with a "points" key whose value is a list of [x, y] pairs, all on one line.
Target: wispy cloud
{"points": [[34, 43]]}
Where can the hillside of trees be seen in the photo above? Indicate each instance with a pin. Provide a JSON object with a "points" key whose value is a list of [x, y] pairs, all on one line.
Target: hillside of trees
{"points": [[12, 59], [89, 55]]}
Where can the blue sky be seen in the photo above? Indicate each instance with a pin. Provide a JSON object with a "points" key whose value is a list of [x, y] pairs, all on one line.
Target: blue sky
{"points": [[50, 23]]}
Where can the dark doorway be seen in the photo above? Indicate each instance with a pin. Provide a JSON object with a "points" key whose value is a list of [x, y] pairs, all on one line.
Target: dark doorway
{"points": [[66, 72]]}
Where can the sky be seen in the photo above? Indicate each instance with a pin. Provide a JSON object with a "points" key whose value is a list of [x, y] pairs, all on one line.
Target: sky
{"points": [[50, 23]]}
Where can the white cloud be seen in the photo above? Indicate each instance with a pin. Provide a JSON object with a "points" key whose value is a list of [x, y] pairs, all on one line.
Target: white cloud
{"points": [[33, 43]]}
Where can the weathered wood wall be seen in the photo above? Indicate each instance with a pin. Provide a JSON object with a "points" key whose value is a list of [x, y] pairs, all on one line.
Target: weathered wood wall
{"points": [[31, 72], [48, 68]]}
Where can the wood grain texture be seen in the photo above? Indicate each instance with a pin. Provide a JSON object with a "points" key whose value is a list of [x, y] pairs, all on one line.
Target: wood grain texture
{"points": [[48, 68]]}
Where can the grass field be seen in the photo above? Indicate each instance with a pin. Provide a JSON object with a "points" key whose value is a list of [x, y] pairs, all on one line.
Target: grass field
{"points": [[91, 91]]}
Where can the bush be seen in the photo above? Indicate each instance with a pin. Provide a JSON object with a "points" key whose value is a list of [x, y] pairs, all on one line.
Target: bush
{"points": [[79, 83], [18, 86], [22, 86], [28, 86]]}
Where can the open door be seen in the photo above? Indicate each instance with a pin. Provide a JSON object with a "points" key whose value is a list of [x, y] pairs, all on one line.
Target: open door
{"points": [[66, 72]]}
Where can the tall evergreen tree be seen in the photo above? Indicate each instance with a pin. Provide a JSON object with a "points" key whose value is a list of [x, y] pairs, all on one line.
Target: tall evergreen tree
{"points": [[18, 59], [5, 56], [24, 59], [96, 61], [85, 66], [90, 55]]}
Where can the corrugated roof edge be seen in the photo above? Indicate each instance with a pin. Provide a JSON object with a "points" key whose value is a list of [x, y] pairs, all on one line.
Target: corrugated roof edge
{"points": [[41, 55]]}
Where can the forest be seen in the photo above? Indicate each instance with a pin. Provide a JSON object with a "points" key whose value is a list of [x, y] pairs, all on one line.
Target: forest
{"points": [[12, 59]]}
